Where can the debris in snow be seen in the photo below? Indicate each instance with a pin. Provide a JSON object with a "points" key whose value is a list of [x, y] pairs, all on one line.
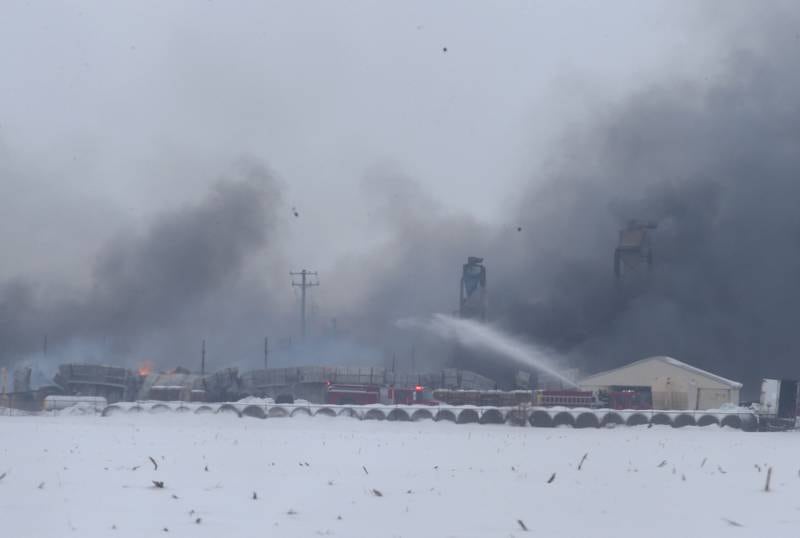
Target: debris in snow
{"points": [[113, 527], [198, 520], [295, 212], [552, 477], [683, 477], [206, 468], [155, 465], [377, 493], [758, 467], [519, 228], [291, 512], [720, 469], [135, 467], [255, 496], [444, 49], [769, 477], [365, 470], [2, 476], [583, 459], [339, 518], [41, 485], [409, 492], [704, 462], [174, 496], [165, 529], [522, 525], [732, 523], [330, 482], [159, 484], [663, 463]]}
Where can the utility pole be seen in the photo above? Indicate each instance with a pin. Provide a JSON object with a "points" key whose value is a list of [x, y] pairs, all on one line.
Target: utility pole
{"points": [[266, 352], [304, 284], [203, 359]]}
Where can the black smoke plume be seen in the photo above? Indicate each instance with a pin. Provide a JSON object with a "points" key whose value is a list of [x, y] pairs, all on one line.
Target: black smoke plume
{"points": [[145, 284], [715, 163]]}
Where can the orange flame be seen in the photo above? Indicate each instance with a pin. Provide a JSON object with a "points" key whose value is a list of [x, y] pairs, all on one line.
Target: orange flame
{"points": [[145, 368]]}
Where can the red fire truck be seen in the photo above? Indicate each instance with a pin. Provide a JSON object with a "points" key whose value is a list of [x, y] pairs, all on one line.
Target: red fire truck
{"points": [[341, 394]]}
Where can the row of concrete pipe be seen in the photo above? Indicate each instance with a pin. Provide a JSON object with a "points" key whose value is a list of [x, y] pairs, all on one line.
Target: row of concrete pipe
{"points": [[537, 417]]}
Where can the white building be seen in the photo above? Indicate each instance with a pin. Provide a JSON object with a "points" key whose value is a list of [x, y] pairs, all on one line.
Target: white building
{"points": [[673, 384]]}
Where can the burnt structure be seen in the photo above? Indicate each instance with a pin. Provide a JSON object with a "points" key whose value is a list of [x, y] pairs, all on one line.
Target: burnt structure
{"points": [[472, 290], [634, 252], [111, 382]]}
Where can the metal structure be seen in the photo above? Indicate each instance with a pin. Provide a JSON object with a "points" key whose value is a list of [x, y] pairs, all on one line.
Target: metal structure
{"points": [[111, 382], [472, 290], [634, 251]]}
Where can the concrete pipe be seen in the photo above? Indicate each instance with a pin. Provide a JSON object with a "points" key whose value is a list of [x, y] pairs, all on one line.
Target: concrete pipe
{"points": [[325, 412], [468, 416], [203, 409], [445, 415], [421, 414], [300, 411], [707, 420], [374, 414], [541, 419], [348, 412], [228, 409], [254, 411], [611, 420], [399, 415], [135, 409], [277, 412], [749, 422], [684, 420], [492, 416], [160, 408], [661, 419], [517, 417], [637, 419], [587, 420], [112, 410], [183, 409], [732, 421], [563, 419]]}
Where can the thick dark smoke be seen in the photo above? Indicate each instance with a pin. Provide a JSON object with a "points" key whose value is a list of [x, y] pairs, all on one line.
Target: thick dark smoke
{"points": [[147, 283], [716, 164]]}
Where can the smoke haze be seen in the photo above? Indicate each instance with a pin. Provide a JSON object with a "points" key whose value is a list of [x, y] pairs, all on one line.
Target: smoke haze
{"points": [[401, 160]]}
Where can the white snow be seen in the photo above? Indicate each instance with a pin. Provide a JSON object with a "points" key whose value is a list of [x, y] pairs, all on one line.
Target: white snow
{"points": [[84, 475]]}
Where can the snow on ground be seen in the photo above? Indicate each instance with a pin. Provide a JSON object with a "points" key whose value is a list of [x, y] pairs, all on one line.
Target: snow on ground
{"points": [[91, 476]]}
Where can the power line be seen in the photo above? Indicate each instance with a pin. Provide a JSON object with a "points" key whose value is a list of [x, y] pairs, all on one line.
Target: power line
{"points": [[304, 284]]}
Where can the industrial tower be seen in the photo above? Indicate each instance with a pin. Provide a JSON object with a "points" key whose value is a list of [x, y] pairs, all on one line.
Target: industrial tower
{"points": [[472, 290]]}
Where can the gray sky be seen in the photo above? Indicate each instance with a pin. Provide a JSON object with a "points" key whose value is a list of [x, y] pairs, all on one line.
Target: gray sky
{"points": [[110, 113]]}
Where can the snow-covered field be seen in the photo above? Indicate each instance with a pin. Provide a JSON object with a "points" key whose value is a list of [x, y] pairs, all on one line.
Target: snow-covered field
{"points": [[226, 476]]}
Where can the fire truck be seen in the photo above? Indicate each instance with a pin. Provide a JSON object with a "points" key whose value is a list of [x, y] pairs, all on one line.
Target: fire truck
{"points": [[343, 394]]}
